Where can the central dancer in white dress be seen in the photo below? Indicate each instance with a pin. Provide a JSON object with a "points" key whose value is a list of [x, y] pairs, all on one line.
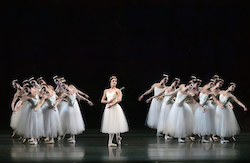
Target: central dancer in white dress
{"points": [[180, 119], [155, 105], [113, 119]]}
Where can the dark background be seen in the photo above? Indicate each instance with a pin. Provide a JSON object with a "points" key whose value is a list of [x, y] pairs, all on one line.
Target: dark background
{"points": [[87, 41]]}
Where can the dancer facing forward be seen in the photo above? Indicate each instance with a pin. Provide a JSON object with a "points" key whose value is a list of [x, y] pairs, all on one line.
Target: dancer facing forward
{"points": [[113, 119]]}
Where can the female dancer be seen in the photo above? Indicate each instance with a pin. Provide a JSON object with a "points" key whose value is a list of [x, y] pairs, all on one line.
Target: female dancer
{"points": [[203, 119], [226, 124], [31, 121], [180, 119], [71, 116], [16, 102], [52, 123], [113, 119], [155, 106], [166, 105]]}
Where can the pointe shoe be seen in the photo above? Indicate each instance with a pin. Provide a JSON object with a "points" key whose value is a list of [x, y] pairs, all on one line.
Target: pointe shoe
{"points": [[50, 142], [13, 134], [69, 139], [59, 138], [72, 141], [46, 139], [233, 138], [181, 140], [215, 137], [192, 138], [204, 141], [119, 140], [33, 143], [30, 140], [24, 140], [20, 138], [168, 137], [112, 145], [224, 141]]}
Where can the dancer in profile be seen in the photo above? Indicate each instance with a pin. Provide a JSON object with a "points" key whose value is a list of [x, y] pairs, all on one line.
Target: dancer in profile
{"points": [[226, 124], [114, 121], [155, 105]]}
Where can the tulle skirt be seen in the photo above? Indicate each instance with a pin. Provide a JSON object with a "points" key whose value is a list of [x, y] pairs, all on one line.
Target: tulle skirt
{"points": [[52, 122], [71, 119], [180, 121], [114, 120], [60, 106], [154, 113], [14, 119], [204, 122], [193, 106], [165, 109], [226, 124]]}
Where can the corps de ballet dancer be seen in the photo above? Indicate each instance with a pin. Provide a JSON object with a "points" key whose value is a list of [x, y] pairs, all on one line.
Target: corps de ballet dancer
{"points": [[226, 124], [155, 105], [204, 119], [31, 122], [180, 119], [114, 121], [71, 116], [51, 117], [167, 104], [15, 106]]}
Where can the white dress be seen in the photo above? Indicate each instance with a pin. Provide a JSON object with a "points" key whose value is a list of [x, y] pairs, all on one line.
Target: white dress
{"points": [[154, 110], [52, 122], [180, 119], [71, 117], [226, 124], [31, 122], [167, 104], [14, 119], [204, 122], [113, 119]]}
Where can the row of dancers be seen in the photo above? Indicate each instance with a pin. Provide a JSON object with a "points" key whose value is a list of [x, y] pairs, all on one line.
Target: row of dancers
{"points": [[189, 110], [40, 111]]}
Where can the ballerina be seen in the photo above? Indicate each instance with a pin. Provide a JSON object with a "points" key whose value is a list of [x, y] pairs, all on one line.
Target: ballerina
{"points": [[71, 116], [226, 124], [180, 119], [52, 123], [204, 120], [155, 106], [113, 119], [166, 105], [15, 106]]}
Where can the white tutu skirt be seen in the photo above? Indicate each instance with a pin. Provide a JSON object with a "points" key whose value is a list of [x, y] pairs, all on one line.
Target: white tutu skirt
{"points": [[60, 106], [193, 106], [52, 122], [14, 119], [71, 119], [154, 113], [204, 122], [226, 124], [180, 121], [165, 109], [30, 123], [114, 120]]}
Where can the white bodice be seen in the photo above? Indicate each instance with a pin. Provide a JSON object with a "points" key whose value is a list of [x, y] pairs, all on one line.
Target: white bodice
{"points": [[157, 90], [180, 98], [51, 100], [110, 95], [168, 99], [224, 99], [203, 98], [71, 99], [34, 100]]}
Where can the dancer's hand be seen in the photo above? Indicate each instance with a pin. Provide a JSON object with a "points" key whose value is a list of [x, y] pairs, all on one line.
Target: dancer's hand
{"points": [[159, 98], [203, 110], [148, 100], [90, 103], [140, 98], [245, 108]]}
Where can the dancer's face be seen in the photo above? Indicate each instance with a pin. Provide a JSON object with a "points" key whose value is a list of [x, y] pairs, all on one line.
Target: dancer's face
{"points": [[113, 83], [220, 84], [211, 84], [164, 80], [232, 88]]}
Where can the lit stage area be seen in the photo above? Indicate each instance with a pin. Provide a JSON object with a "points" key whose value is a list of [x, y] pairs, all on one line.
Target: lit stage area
{"points": [[138, 145]]}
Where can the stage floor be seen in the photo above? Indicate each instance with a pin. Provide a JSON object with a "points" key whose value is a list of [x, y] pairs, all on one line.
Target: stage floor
{"points": [[138, 145]]}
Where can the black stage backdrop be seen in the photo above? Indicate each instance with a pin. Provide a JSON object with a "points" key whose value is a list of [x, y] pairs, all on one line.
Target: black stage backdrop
{"points": [[88, 41]]}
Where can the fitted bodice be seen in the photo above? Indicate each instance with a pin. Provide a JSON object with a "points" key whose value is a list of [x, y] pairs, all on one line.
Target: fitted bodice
{"points": [[224, 99], [168, 99], [157, 90], [71, 99], [51, 100], [110, 95], [203, 98], [34, 100], [180, 98]]}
